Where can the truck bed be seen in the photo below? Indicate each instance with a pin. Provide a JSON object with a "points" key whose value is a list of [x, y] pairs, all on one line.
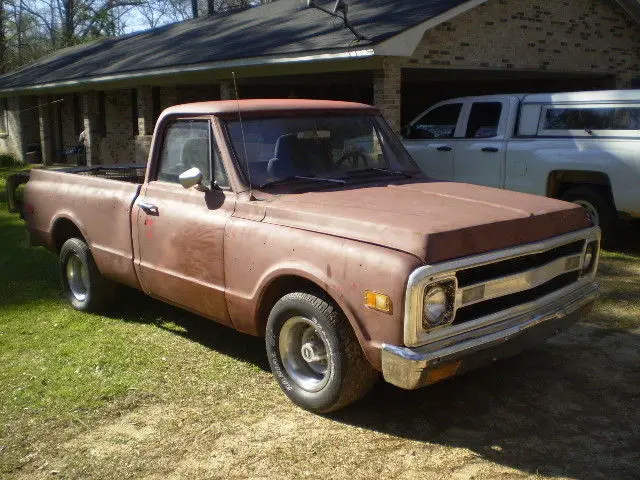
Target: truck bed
{"points": [[97, 200], [121, 173]]}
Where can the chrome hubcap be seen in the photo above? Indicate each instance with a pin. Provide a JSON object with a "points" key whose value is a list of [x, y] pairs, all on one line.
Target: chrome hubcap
{"points": [[591, 211], [305, 355], [77, 278]]}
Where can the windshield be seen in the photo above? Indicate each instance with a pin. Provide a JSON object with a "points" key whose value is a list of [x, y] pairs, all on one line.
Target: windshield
{"points": [[318, 147]]}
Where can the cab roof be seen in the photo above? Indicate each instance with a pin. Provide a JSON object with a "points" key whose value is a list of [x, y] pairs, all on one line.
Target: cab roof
{"points": [[263, 105]]}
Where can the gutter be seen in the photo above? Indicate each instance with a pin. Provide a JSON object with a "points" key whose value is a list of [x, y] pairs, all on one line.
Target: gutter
{"points": [[202, 67]]}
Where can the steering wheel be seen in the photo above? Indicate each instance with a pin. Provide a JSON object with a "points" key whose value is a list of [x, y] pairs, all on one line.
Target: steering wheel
{"points": [[354, 158]]}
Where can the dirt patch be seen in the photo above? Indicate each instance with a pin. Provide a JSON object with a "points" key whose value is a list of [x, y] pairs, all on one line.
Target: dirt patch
{"points": [[565, 410]]}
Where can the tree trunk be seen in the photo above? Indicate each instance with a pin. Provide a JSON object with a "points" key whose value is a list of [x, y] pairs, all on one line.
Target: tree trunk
{"points": [[211, 7], [194, 8], [68, 22]]}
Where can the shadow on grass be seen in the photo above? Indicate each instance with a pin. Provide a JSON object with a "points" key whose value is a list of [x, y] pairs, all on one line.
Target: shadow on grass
{"points": [[566, 408], [628, 241], [134, 306]]}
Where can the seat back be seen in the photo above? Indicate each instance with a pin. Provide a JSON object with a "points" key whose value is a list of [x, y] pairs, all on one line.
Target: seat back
{"points": [[195, 153], [300, 156]]}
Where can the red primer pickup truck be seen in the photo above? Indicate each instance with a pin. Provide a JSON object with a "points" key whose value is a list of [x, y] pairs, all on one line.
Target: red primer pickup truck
{"points": [[307, 222]]}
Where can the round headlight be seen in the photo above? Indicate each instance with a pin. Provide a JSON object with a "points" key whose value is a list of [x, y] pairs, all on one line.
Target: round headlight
{"points": [[435, 309]]}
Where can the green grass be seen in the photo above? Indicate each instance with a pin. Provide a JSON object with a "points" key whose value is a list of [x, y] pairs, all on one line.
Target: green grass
{"points": [[71, 382], [62, 369]]}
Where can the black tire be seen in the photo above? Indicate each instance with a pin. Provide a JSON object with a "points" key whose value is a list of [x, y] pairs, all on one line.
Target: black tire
{"points": [[349, 377], [98, 291], [598, 200]]}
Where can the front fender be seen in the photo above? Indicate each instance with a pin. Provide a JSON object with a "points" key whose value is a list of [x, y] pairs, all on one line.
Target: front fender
{"points": [[258, 254]]}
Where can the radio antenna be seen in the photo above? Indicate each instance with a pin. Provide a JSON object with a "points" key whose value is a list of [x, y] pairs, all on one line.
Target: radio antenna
{"points": [[244, 143]]}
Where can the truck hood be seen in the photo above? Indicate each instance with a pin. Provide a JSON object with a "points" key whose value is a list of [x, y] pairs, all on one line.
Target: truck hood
{"points": [[435, 221]]}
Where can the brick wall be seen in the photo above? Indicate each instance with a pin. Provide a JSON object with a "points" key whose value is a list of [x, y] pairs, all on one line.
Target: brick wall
{"points": [[591, 36], [387, 94], [118, 144]]}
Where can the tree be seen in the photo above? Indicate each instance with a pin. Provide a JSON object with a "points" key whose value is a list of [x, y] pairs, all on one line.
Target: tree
{"points": [[30, 29]]}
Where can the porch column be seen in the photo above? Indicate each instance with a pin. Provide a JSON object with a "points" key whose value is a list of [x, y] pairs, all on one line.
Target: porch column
{"points": [[45, 126], [227, 92], [90, 113], [146, 124], [15, 132], [145, 110], [387, 95]]}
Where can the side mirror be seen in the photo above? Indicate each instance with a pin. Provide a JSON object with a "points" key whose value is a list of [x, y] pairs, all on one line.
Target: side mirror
{"points": [[192, 178]]}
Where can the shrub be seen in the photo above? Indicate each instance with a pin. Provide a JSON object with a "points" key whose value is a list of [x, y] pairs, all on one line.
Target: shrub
{"points": [[7, 160]]}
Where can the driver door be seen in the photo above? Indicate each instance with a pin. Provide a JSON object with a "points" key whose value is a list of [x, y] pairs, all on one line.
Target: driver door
{"points": [[181, 232], [430, 140]]}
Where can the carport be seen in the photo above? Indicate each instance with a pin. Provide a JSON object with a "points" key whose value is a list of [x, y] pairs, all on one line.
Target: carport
{"points": [[422, 88]]}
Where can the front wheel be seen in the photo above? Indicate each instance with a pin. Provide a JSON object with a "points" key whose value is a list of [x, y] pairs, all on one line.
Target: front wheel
{"points": [[82, 283], [315, 355]]}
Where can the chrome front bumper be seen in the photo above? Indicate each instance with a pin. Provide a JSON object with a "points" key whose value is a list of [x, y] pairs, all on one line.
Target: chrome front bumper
{"points": [[412, 368]]}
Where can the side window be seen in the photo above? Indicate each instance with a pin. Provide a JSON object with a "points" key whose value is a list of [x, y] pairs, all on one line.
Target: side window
{"points": [[484, 120], [603, 118], [438, 123], [185, 145], [219, 173]]}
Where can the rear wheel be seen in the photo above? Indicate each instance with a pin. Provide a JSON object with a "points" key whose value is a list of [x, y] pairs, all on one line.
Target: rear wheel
{"points": [[598, 207], [315, 355], [82, 283]]}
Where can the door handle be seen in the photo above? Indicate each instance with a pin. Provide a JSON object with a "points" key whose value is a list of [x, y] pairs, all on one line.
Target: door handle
{"points": [[149, 209], [491, 149], [444, 148]]}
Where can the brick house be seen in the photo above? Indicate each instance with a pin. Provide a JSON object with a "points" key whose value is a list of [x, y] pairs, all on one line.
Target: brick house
{"points": [[415, 52]]}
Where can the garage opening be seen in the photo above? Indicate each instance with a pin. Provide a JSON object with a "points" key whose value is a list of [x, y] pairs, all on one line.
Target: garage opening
{"points": [[422, 88]]}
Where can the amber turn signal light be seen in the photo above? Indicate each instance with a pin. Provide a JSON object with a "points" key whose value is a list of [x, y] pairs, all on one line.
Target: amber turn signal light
{"points": [[445, 371], [378, 301]]}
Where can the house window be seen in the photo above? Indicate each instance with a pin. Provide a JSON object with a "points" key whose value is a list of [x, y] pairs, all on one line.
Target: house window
{"points": [[3, 116]]}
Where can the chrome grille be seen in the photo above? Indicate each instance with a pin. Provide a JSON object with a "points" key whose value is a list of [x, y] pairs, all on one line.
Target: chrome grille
{"points": [[488, 272], [493, 285], [488, 307]]}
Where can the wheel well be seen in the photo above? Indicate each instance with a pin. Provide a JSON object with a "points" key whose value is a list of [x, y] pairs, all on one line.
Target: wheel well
{"points": [[561, 181], [280, 287], [63, 230]]}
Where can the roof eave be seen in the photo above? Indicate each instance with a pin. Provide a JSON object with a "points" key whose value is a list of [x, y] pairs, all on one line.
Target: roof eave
{"points": [[331, 55]]}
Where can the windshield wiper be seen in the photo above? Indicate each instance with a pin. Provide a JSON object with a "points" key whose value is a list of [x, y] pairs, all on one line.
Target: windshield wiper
{"points": [[371, 170], [301, 177]]}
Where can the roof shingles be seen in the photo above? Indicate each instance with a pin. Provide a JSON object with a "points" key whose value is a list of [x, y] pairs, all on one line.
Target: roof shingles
{"points": [[281, 28]]}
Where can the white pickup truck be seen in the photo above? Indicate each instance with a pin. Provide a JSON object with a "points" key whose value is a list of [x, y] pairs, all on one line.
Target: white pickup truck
{"points": [[582, 147]]}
